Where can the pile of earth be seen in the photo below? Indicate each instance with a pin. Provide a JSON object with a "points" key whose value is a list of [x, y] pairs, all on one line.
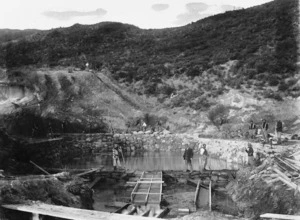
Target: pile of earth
{"points": [[60, 189], [255, 191]]}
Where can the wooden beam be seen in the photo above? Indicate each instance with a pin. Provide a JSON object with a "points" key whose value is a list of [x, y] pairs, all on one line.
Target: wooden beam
{"points": [[289, 183], [281, 174], [209, 195], [280, 216], [87, 172], [146, 193], [146, 199], [197, 192], [296, 153], [158, 182], [150, 178], [40, 168], [71, 213], [287, 164]]}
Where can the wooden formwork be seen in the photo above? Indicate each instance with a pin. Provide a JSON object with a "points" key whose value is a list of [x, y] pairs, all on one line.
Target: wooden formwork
{"points": [[148, 189]]}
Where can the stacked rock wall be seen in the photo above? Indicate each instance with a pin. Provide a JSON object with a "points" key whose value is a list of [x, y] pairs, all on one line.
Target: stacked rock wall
{"points": [[97, 143], [230, 150], [58, 151]]}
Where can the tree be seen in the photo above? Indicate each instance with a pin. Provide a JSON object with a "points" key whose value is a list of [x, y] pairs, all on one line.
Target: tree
{"points": [[218, 115]]}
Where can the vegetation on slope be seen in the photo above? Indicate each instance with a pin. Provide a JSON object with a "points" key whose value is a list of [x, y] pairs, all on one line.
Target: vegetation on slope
{"points": [[261, 38], [251, 49]]}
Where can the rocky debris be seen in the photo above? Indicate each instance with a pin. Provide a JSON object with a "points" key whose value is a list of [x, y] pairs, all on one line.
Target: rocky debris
{"points": [[271, 187]]}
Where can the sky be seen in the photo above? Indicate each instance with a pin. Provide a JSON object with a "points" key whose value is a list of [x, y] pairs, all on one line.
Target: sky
{"points": [[47, 14]]}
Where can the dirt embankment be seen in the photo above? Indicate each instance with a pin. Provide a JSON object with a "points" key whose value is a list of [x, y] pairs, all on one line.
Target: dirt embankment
{"points": [[63, 100], [59, 189]]}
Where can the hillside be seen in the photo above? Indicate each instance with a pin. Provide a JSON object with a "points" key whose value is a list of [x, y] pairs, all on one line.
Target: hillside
{"points": [[40, 101], [8, 35], [250, 51], [261, 38]]}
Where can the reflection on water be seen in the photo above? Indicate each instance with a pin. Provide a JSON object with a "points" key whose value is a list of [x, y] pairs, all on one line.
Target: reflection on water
{"points": [[152, 161]]}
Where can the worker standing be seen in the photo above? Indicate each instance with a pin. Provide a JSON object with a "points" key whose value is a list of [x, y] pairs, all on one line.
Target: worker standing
{"points": [[188, 156], [265, 127], [252, 129], [116, 157], [278, 131], [250, 151], [203, 157]]}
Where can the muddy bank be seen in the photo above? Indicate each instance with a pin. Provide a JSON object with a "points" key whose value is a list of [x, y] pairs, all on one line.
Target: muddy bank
{"points": [[61, 189]]}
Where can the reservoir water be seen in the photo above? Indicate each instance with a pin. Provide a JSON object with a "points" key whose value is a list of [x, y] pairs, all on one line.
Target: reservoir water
{"points": [[148, 161]]}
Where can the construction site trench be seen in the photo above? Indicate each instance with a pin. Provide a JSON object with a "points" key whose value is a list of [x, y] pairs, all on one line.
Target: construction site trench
{"points": [[80, 174]]}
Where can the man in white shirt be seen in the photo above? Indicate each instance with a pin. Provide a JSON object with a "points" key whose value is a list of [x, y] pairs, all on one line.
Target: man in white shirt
{"points": [[203, 157]]}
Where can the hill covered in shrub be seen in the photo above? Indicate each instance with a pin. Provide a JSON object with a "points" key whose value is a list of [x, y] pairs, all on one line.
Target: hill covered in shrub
{"points": [[262, 39]]}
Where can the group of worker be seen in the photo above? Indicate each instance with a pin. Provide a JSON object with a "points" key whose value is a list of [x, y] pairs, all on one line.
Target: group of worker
{"points": [[264, 130], [189, 154]]}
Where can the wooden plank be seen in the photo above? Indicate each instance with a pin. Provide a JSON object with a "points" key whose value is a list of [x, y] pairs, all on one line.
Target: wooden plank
{"points": [[280, 216], [146, 199], [291, 164], [160, 191], [150, 182], [40, 168], [133, 191], [209, 195], [272, 181], [289, 183], [197, 193], [87, 172], [163, 213], [296, 153], [148, 189], [281, 174], [146, 193], [71, 213], [287, 164]]}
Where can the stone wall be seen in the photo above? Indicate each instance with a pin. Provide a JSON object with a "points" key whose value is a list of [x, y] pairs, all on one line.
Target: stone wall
{"points": [[58, 151], [97, 143], [229, 150]]}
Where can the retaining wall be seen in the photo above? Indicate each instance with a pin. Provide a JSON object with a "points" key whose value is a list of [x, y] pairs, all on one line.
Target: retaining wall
{"points": [[230, 150], [55, 152]]}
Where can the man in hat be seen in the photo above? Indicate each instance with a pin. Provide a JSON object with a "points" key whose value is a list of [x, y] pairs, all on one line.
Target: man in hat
{"points": [[252, 129], [188, 156], [278, 131], [265, 127], [116, 157], [250, 151], [203, 157]]}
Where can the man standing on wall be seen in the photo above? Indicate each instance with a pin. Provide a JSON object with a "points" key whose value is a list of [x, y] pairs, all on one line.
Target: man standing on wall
{"points": [[116, 157], [203, 157], [252, 129], [265, 127], [249, 151], [188, 156], [278, 131]]}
